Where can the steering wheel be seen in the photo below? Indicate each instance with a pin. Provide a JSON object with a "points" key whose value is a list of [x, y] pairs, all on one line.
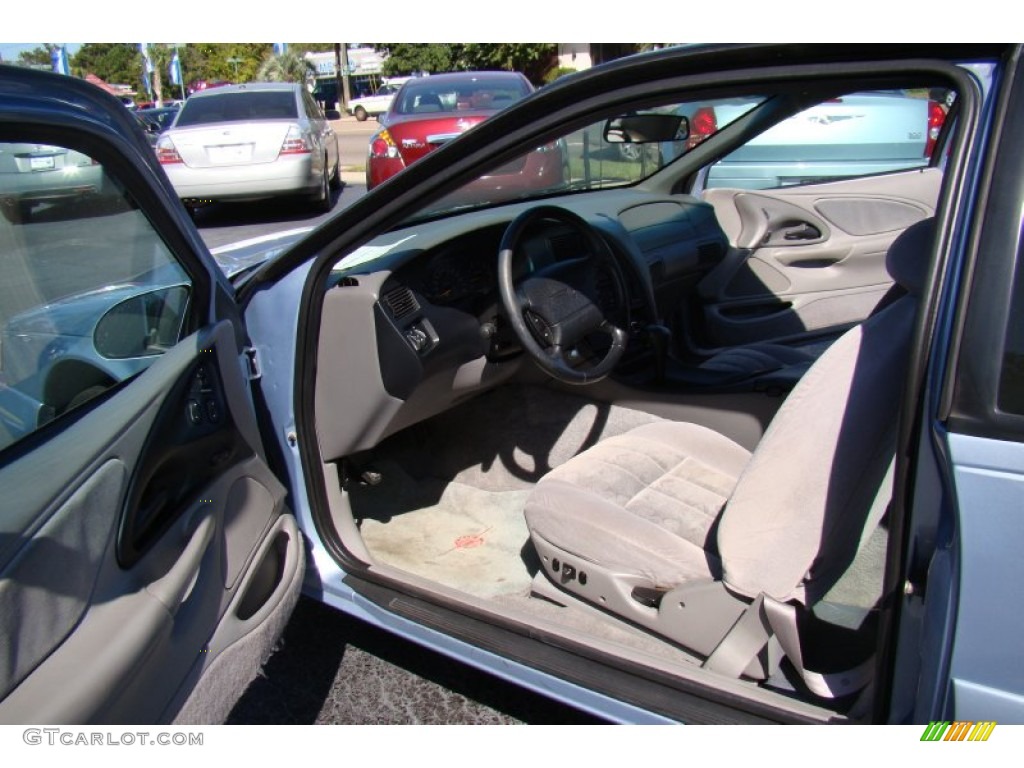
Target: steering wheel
{"points": [[554, 310]]}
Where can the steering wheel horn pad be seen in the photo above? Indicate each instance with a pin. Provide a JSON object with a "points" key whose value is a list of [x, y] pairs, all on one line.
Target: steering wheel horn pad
{"points": [[555, 309]]}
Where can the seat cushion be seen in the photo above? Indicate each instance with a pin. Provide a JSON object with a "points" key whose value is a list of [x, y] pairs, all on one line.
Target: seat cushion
{"points": [[643, 503]]}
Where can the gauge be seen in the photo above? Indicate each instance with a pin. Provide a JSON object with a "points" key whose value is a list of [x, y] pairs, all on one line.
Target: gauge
{"points": [[444, 281]]}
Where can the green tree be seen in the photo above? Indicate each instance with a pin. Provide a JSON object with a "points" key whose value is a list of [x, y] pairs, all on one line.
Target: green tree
{"points": [[602, 52], [236, 62], [301, 48], [409, 58], [113, 62], [37, 56], [289, 67], [532, 59], [161, 54]]}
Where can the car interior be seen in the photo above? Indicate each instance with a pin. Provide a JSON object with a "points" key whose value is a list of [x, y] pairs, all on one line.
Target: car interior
{"points": [[651, 422]]}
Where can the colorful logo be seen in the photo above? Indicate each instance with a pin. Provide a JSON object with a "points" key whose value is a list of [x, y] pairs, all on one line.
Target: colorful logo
{"points": [[958, 731]]}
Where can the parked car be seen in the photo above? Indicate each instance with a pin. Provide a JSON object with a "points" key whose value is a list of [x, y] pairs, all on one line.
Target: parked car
{"points": [[251, 142], [162, 116], [375, 104], [428, 112], [33, 174], [155, 121], [202, 85], [896, 130], [547, 433]]}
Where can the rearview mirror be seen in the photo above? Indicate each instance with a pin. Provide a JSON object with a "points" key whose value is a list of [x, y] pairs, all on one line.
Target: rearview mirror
{"points": [[646, 128]]}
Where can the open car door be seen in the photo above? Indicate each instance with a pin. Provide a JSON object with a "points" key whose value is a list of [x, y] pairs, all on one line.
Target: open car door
{"points": [[148, 563]]}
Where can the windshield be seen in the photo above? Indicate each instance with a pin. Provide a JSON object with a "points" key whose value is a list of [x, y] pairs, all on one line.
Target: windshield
{"points": [[595, 157], [234, 107]]}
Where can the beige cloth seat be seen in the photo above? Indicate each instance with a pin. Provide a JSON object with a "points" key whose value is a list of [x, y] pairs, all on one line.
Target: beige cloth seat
{"points": [[679, 529]]}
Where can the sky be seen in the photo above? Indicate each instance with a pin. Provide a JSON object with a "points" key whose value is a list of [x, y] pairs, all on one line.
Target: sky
{"points": [[10, 51], [522, 21]]}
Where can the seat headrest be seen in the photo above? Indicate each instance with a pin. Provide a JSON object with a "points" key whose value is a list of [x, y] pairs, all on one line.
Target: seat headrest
{"points": [[909, 256]]}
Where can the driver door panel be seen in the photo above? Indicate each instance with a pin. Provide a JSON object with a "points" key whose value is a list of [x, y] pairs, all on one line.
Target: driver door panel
{"points": [[149, 552], [806, 260]]}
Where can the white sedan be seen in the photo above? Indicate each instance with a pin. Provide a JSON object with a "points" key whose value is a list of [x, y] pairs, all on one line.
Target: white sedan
{"points": [[251, 142], [376, 104]]}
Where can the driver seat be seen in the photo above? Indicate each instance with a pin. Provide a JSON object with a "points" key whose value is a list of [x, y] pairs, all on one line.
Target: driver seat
{"points": [[729, 554]]}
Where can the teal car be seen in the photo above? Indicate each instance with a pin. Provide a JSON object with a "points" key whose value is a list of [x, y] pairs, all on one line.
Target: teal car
{"points": [[849, 136]]}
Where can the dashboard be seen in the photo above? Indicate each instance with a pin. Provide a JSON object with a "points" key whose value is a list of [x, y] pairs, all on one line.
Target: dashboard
{"points": [[462, 272], [423, 327]]}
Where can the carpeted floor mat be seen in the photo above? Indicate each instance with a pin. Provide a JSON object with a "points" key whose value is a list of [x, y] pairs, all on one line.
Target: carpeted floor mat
{"points": [[463, 537], [450, 503]]}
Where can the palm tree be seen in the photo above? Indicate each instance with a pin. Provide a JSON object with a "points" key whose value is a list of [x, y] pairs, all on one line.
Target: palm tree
{"points": [[289, 67]]}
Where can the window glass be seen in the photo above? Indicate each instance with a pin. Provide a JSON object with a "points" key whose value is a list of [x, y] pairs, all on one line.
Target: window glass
{"points": [[473, 93], [232, 107], [312, 109], [855, 135], [89, 292], [606, 153]]}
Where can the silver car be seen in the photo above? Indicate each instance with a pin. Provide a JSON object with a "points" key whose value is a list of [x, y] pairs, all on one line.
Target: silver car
{"points": [[33, 174], [251, 142]]}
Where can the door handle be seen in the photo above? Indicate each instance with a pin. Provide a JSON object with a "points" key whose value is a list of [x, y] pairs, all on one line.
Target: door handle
{"points": [[802, 232], [174, 587]]}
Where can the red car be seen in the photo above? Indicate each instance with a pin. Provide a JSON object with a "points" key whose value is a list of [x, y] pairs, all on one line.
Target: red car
{"points": [[202, 85], [429, 111]]}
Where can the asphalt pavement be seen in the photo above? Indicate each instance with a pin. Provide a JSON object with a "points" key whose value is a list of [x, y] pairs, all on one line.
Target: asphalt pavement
{"points": [[330, 669], [225, 223], [353, 138]]}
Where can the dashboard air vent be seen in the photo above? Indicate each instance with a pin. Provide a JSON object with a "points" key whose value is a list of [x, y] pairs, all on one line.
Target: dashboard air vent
{"points": [[400, 302]]}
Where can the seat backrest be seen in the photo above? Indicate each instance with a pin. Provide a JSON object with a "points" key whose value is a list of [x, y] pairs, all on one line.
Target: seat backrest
{"points": [[800, 508]]}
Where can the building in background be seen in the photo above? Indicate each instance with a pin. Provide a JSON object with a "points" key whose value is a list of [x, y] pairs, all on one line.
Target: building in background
{"points": [[365, 74]]}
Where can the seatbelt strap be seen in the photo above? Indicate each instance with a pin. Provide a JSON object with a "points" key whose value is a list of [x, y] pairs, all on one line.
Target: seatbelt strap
{"points": [[743, 642], [781, 618], [770, 622]]}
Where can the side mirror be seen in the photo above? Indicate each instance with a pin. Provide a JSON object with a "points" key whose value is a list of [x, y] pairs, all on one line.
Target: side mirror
{"points": [[143, 325], [646, 128]]}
